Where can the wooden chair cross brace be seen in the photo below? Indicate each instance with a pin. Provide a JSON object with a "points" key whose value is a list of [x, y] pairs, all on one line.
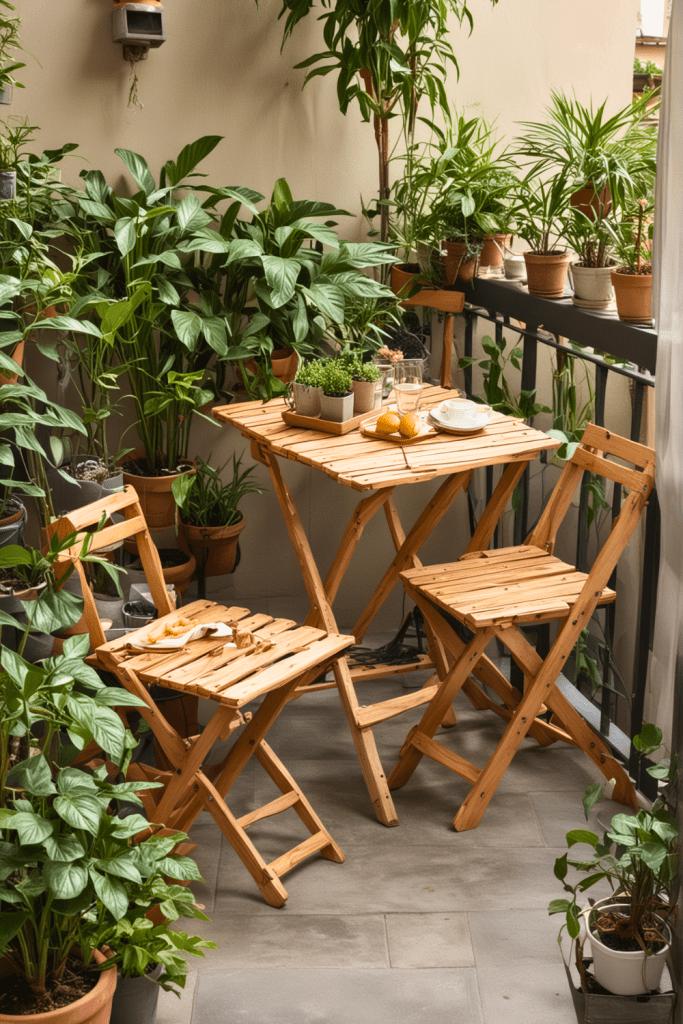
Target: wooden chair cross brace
{"points": [[493, 593]]}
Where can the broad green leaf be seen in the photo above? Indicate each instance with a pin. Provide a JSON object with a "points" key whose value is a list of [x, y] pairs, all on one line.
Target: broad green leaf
{"points": [[189, 157], [187, 326], [281, 275], [124, 233], [66, 879], [558, 906], [190, 214], [167, 292], [139, 170], [582, 835], [67, 323], [10, 925], [282, 196], [182, 868], [73, 780], [122, 867], [243, 249], [215, 332], [79, 810], [110, 892], [65, 847], [330, 301], [31, 828], [33, 775], [591, 796], [54, 612]]}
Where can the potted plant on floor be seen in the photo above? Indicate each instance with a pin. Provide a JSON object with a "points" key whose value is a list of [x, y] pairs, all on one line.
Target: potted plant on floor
{"points": [[629, 933], [141, 945], [209, 520], [336, 402], [632, 278]]}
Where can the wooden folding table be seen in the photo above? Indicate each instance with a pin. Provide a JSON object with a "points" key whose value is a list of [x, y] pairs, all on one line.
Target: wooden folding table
{"points": [[376, 466]]}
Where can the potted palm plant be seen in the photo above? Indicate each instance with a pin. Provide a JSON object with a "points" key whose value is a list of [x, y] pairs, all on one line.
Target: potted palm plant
{"points": [[209, 520], [541, 216], [632, 278], [591, 240]]}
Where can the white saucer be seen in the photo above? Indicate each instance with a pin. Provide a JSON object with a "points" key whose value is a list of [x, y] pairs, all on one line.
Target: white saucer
{"points": [[450, 428]]}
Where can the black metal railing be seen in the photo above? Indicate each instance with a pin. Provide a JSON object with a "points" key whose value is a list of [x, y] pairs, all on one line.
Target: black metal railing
{"points": [[537, 321]]}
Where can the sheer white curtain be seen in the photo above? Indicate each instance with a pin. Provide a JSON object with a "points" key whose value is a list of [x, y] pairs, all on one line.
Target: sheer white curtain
{"points": [[668, 312]]}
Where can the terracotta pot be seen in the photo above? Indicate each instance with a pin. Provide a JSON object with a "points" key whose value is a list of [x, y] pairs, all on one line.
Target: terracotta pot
{"points": [[154, 492], [216, 546], [402, 277], [634, 296], [589, 202], [546, 275], [283, 362], [442, 299], [592, 286], [454, 262], [178, 575], [492, 253], [18, 357], [93, 1008]]}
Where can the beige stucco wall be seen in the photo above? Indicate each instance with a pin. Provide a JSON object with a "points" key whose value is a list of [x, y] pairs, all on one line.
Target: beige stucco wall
{"points": [[221, 73]]}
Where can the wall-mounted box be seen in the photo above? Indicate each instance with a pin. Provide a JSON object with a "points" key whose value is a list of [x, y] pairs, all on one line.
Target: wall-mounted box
{"points": [[139, 25]]}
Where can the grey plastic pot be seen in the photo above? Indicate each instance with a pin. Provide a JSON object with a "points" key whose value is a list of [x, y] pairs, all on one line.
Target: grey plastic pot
{"points": [[8, 184], [6, 93], [133, 621], [336, 408], [12, 532], [135, 999], [110, 608], [67, 495]]}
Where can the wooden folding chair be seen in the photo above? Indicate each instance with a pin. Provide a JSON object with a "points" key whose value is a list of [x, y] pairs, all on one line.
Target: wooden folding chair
{"points": [[493, 593], [272, 658]]}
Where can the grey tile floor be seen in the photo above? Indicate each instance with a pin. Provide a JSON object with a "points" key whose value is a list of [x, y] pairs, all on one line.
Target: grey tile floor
{"points": [[420, 924]]}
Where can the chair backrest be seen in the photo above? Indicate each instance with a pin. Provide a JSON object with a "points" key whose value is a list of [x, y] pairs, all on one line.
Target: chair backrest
{"points": [[134, 525], [587, 457]]}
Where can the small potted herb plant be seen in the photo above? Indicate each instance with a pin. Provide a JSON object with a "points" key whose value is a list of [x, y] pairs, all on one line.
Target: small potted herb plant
{"points": [[336, 402], [364, 385], [541, 216], [306, 388], [209, 521]]}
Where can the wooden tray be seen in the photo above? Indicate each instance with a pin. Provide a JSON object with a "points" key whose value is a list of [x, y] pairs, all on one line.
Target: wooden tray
{"points": [[460, 431], [367, 428], [293, 419]]}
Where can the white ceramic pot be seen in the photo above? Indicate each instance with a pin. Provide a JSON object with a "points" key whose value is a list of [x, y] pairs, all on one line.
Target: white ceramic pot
{"points": [[592, 286], [365, 395], [515, 267], [306, 399], [622, 973], [336, 408]]}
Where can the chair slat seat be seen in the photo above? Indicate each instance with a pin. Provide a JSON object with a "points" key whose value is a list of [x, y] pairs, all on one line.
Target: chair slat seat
{"points": [[482, 592]]}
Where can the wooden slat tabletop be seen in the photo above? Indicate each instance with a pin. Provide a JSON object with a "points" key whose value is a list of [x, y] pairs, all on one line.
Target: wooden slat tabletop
{"points": [[366, 463]]}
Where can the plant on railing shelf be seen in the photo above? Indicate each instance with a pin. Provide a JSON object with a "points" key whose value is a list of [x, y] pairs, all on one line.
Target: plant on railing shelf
{"points": [[632, 238], [388, 55], [607, 156]]}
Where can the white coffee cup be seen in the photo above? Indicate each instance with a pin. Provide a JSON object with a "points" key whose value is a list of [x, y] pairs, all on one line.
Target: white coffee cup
{"points": [[459, 410]]}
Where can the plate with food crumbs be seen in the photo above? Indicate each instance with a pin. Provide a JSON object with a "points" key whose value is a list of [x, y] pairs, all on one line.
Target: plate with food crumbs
{"points": [[390, 426], [171, 636]]}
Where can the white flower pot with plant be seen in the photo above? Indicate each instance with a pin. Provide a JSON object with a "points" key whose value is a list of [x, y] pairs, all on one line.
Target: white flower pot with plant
{"points": [[336, 403], [633, 923], [306, 388]]}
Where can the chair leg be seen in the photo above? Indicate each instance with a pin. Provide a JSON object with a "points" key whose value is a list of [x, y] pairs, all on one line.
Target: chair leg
{"points": [[285, 782], [270, 886], [439, 704]]}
